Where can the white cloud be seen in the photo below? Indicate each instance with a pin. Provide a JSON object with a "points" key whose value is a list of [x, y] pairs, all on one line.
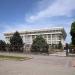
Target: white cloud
{"points": [[58, 8], [13, 28], [21, 27]]}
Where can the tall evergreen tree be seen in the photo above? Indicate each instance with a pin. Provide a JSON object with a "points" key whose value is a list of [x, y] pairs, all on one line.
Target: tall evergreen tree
{"points": [[16, 42], [72, 33], [39, 45]]}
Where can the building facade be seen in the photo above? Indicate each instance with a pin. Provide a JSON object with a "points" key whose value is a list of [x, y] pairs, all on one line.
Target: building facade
{"points": [[52, 36]]}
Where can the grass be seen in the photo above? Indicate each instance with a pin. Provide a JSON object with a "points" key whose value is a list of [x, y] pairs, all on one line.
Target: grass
{"points": [[6, 57]]}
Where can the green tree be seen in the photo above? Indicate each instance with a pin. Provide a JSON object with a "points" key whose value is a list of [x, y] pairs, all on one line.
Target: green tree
{"points": [[72, 33], [39, 45], [60, 45], [2, 45], [16, 42]]}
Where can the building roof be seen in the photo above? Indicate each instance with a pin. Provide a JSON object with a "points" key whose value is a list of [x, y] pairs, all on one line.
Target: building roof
{"points": [[37, 30]]}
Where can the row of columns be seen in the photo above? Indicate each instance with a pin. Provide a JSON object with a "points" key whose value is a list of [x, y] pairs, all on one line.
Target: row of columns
{"points": [[29, 39]]}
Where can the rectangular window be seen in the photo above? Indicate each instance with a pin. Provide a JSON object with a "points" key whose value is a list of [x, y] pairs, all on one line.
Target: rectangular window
{"points": [[58, 37], [53, 37], [49, 37], [33, 37]]}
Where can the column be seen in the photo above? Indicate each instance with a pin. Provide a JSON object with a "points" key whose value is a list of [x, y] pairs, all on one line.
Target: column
{"points": [[47, 38], [51, 39]]}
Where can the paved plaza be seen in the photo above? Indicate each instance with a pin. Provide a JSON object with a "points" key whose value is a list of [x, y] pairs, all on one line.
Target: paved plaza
{"points": [[39, 65]]}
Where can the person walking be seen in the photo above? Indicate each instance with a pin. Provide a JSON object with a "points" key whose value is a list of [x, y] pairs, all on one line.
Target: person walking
{"points": [[66, 49]]}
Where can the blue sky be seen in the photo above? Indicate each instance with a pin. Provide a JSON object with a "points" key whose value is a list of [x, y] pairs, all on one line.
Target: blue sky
{"points": [[23, 15]]}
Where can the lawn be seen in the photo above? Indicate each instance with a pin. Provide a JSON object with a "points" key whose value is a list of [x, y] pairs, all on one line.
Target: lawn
{"points": [[6, 57]]}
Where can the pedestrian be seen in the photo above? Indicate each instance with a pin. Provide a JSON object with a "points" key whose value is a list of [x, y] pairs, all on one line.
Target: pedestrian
{"points": [[66, 49]]}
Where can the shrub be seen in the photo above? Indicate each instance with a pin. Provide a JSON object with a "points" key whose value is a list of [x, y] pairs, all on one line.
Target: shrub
{"points": [[39, 45], [2, 45]]}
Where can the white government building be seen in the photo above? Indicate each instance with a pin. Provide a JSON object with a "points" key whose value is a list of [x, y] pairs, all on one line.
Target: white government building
{"points": [[51, 35]]}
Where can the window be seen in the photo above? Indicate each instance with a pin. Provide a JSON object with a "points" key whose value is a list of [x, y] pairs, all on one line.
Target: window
{"points": [[58, 37], [49, 37], [53, 37], [49, 42]]}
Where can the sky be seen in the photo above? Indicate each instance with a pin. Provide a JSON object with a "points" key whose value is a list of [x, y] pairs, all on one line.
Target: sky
{"points": [[22, 15]]}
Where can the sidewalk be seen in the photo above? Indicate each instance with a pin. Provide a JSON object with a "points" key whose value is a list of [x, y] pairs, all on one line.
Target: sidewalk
{"points": [[63, 54], [59, 54]]}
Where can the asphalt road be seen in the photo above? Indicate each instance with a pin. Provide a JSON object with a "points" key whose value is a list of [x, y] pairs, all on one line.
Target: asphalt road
{"points": [[39, 65]]}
